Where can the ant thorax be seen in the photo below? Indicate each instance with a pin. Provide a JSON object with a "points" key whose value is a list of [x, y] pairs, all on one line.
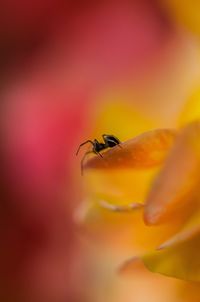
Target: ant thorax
{"points": [[98, 146]]}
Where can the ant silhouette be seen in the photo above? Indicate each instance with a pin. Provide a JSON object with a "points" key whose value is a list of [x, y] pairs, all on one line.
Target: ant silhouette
{"points": [[109, 142]]}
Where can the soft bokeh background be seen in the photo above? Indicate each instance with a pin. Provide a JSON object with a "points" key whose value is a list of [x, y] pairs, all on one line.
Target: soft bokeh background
{"points": [[72, 70]]}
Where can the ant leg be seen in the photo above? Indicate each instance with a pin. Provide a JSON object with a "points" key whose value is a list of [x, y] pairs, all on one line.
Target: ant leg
{"points": [[86, 142], [117, 208], [82, 160], [98, 153], [89, 152]]}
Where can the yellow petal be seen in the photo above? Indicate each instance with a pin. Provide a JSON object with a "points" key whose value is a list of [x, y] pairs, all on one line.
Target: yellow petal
{"points": [[126, 231], [119, 187], [179, 261], [176, 187], [191, 111]]}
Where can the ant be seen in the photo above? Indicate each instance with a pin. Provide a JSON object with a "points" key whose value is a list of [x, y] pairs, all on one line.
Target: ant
{"points": [[109, 142]]}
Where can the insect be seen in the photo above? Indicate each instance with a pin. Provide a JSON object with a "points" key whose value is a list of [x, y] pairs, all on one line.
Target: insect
{"points": [[109, 142]]}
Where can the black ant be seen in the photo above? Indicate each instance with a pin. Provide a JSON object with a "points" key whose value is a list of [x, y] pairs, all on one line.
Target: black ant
{"points": [[109, 142]]}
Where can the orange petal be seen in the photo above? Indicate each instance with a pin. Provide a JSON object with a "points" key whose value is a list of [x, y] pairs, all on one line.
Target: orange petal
{"points": [[176, 187], [144, 151], [185, 12]]}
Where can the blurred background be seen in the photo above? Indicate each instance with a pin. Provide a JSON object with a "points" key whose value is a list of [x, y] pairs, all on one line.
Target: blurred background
{"points": [[71, 71]]}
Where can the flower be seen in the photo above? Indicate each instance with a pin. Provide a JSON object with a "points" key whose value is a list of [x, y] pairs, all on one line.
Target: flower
{"points": [[171, 203], [159, 233]]}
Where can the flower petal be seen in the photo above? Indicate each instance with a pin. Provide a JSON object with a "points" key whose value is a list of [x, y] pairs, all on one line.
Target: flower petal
{"points": [[179, 261], [176, 187], [191, 110], [124, 231], [185, 12], [144, 151], [190, 228]]}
